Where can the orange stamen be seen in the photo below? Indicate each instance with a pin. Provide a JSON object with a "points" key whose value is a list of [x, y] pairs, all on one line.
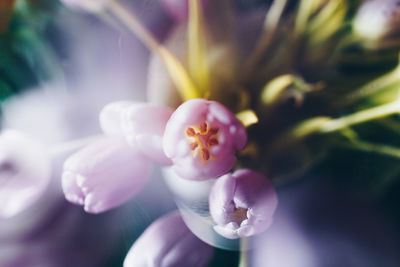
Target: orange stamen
{"points": [[213, 142], [203, 128], [206, 154], [190, 131], [200, 138]]}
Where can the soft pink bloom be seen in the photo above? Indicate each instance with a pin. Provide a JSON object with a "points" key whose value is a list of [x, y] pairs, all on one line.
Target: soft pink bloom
{"points": [[178, 9], [142, 125], [201, 138], [24, 172], [242, 204], [104, 174], [85, 5], [168, 242]]}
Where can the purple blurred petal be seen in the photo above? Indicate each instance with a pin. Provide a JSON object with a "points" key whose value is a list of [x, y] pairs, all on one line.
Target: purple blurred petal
{"points": [[24, 172], [168, 242]]}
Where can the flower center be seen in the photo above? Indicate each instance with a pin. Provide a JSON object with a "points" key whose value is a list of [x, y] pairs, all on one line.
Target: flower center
{"points": [[201, 138], [238, 215]]}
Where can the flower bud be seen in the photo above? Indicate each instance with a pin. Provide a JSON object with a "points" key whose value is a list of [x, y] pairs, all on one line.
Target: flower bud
{"points": [[141, 124], [242, 204], [24, 172], [201, 139], [377, 19], [168, 242], [104, 174], [95, 6]]}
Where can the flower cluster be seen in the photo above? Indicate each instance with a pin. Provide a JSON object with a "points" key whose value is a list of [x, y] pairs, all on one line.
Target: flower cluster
{"points": [[198, 141], [341, 69]]}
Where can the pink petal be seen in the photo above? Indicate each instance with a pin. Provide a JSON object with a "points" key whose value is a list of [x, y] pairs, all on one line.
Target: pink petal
{"points": [[105, 174], [244, 190], [142, 125], [168, 242]]}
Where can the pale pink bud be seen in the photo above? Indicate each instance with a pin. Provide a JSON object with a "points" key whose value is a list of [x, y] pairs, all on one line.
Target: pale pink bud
{"points": [[168, 242], [104, 174], [378, 19], [86, 5], [201, 138], [242, 204], [142, 125], [178, 9], [25, 172]]}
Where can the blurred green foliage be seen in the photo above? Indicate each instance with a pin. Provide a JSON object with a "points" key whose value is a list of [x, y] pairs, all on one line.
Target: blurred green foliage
{"points": [[27, 57]]}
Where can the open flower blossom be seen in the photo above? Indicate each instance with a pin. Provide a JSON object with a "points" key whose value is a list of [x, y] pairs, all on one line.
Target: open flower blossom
{"points": [[142, 124], [104, 174], [168, 242], [85, 5], [201, 138], [242, 204], [377, 19], [25, 172]]}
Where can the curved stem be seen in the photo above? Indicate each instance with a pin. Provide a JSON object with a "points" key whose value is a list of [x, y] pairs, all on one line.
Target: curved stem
{"points": [[375, 85], [271, 23], [360, 117], [373, 148], [325, 125]]}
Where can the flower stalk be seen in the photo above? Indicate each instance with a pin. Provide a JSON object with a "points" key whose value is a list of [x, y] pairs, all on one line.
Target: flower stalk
{"points": [[385, 150], [243, 258], [325, 125], [361, 117]]}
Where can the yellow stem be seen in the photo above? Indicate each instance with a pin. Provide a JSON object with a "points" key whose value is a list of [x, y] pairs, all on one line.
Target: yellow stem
{"points": [[243, 260]]}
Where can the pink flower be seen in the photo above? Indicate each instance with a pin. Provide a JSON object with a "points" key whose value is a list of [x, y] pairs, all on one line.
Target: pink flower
{"points": [[85, 5], [201, 138], [104, 174], [242, 204], [142, 125], [24, 172], [178, 9], [168, 242]]}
